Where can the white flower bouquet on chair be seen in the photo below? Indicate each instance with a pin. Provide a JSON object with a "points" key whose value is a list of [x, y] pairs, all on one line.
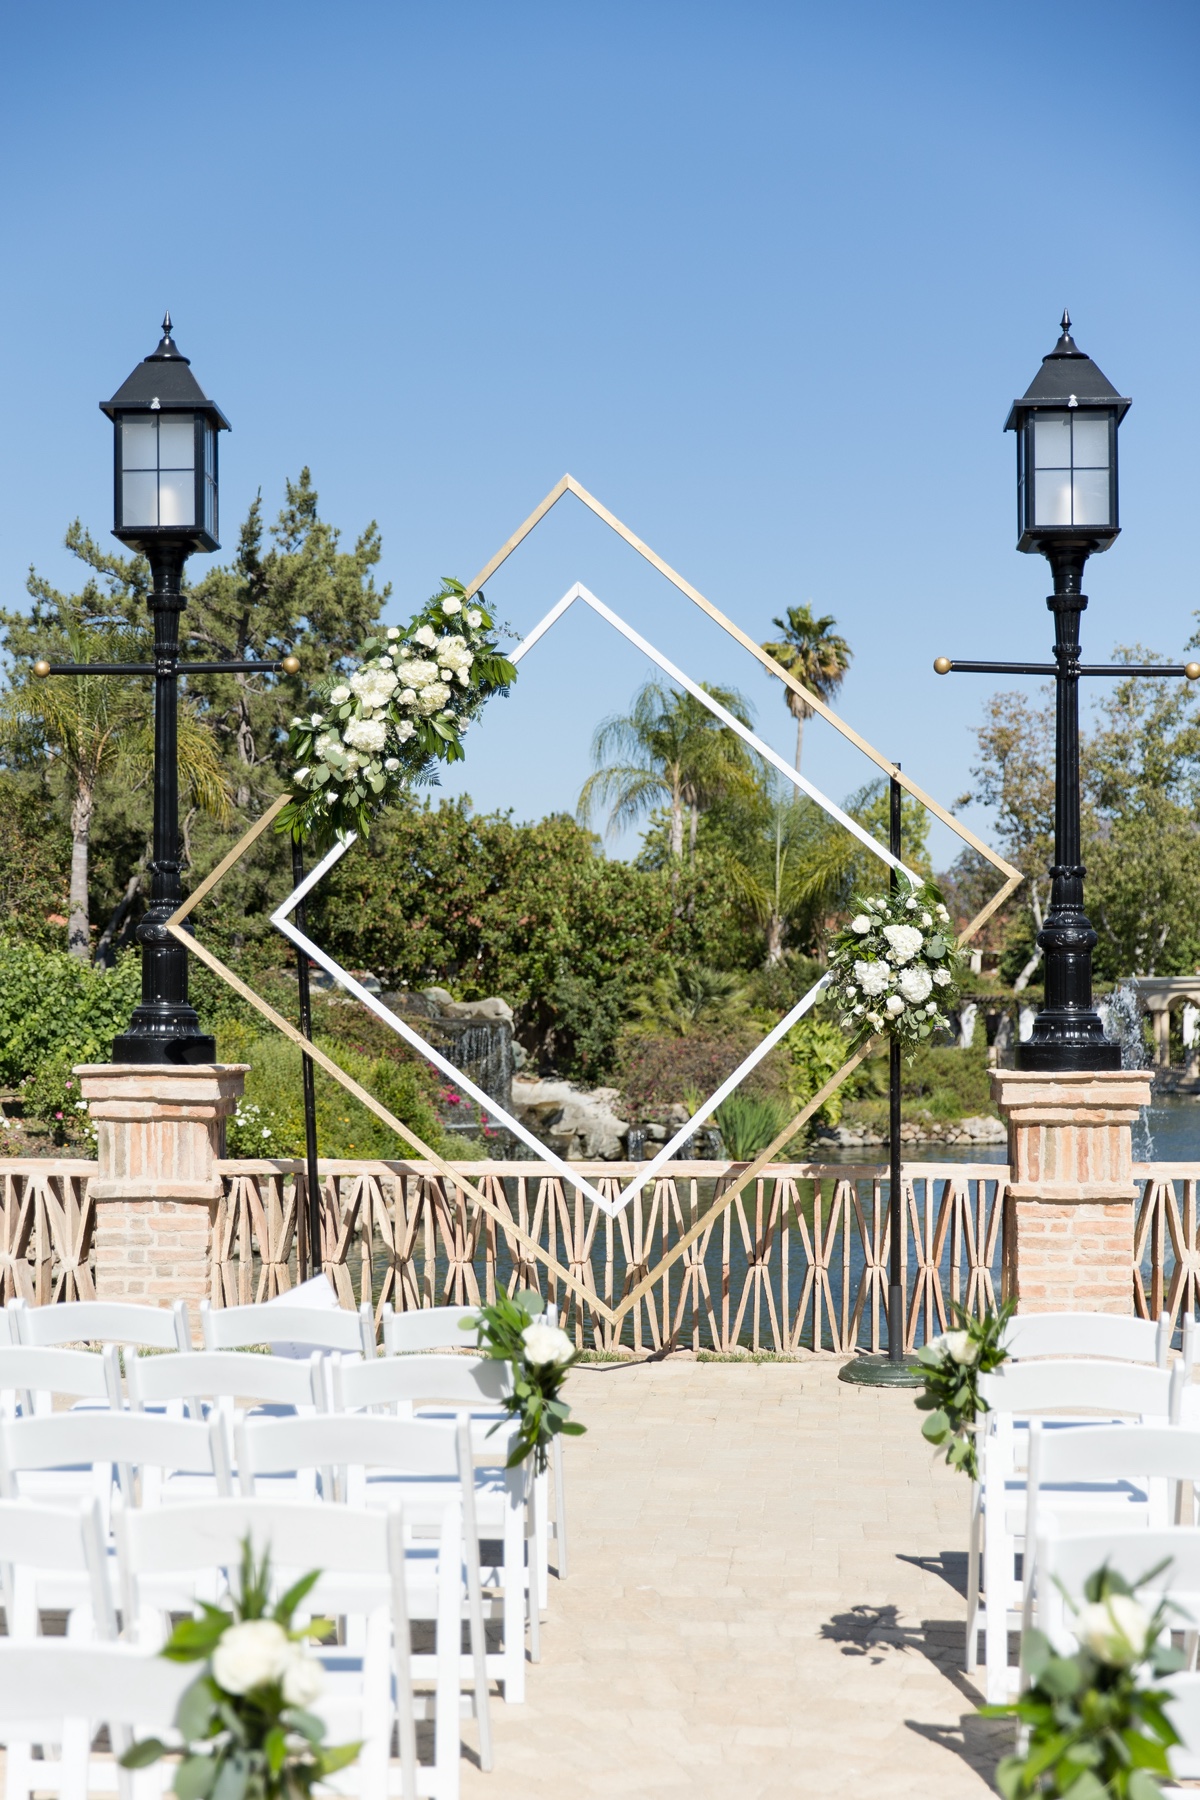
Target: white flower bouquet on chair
{"points": [[246, 1728], [895, 966], [513, 1330]]}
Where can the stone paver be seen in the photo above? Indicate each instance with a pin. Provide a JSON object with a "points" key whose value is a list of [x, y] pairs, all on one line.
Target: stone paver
{"points": [[765, 1599]]}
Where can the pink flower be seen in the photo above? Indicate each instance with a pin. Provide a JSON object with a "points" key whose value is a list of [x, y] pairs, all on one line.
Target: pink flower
{"points": [[58, 1115]]}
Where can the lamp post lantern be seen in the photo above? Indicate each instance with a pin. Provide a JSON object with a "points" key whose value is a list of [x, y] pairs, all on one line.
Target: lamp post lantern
{"points": [[1066, 425], [165, 506]]}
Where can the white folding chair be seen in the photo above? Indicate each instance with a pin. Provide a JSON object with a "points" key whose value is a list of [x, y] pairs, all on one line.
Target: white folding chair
{"points": [[55, 1560], [31, 1378], [1170, 1558], [435, 1328], [302, 1328], [104, 1322], [1083, 1334], [225, 1379], [453, 1387], [70, 1454], [375, 1461], [55, 1693], [1091, 1477], [1183, 1710], [374, 1581], [1069, 1392]]}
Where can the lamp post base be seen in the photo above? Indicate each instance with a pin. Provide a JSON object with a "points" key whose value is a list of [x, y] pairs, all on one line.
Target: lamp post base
{"points": [[880, 1371]]}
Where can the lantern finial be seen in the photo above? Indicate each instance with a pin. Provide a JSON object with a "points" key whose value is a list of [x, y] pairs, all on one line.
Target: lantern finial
{"points": [[1066, 345]]}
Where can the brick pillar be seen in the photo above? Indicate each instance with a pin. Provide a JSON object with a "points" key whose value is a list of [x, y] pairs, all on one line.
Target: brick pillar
{"points": [[1069, 1211], [160, 1133]]}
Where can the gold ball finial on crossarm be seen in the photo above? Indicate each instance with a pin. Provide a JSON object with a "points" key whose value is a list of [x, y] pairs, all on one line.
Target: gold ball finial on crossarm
{"points": [[290, 665], [942, 664], [1192, 671], [41, 668]]}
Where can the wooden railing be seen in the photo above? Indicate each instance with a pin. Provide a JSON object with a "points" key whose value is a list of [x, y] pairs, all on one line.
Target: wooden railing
{"points": [[799, 1260]]}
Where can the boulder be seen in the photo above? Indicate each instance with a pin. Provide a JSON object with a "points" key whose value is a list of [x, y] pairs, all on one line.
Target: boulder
{"points": [[492, 1011], [577, 1124]]}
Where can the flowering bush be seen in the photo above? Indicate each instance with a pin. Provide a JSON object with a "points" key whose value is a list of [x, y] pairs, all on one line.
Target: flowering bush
{"points": [[895, 966], [404, 708], [1093, 1727], [247, 1731], [951, 1365], [512, 1330]]}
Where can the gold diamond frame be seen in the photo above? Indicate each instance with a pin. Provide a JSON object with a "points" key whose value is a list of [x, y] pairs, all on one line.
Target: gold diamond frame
{"points": [[585, 1295]]}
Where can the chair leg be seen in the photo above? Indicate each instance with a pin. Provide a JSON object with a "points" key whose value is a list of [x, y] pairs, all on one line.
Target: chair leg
{"points": [[997, 1581], [560, 1508], [974, 1548], [534, 1575]]}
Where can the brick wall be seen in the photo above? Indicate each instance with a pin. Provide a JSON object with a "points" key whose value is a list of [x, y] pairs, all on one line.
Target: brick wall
{"points": [[1075, 1256], [154, 1251]]}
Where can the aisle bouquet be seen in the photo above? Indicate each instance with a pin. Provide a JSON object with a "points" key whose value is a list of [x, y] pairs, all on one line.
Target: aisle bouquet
{"points": [[951, 1365], [513, 1330], [406, 706], [895, 966], [1093, 1727], [245, 1723]]}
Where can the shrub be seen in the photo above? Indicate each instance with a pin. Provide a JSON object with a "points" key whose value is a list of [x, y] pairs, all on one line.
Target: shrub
{"points": [[657, 1072], [748, 1123], [56, 1010]]}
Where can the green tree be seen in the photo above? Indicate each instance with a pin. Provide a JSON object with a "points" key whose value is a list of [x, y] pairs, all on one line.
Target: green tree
{"points": [[669, 749], [811, 651], [765, 861]]}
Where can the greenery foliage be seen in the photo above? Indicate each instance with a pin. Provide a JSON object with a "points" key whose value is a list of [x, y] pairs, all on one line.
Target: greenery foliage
{"points": [[894, 966], [511, 1329], [749, 1122], [951, 1365], [1092, 1726]]}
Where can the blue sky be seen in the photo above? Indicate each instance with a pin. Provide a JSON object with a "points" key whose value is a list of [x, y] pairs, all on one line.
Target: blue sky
{"points": [[765, 278]]}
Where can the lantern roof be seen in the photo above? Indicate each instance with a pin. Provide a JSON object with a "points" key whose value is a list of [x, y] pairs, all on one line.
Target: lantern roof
{"points": [[1067, 378], [164, 382]]}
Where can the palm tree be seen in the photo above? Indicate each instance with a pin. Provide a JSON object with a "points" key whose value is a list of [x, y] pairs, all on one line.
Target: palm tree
{"points": [[690, 998], [668, 750], [812, 652], [95, 725], [767, 862]]}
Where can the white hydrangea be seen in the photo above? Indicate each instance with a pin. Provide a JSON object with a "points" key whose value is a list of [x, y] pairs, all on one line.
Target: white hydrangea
{"points": [[872, 977], [404, 731], [419, 673], [905, 941], [339, 695], [406, 696], [452, 653], [916, 985], [367, 734], [328, 740], [374, 687], [433, 697]]}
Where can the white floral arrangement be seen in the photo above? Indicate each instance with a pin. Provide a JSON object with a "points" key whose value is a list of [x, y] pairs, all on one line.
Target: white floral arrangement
{"points": [[406, 706], [895, 966]]}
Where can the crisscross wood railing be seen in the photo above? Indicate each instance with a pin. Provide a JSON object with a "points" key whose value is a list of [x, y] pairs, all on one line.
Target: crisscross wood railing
{"points": [[799, 1260]]}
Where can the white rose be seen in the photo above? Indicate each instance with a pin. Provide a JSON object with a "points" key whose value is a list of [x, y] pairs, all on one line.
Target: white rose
{"points": [[317, 719], [474, 619], [426, 635], [463, 677], [942, 977], [962, 1348], [303, 1679], [1115, 1630], [391, 764], [451, 606], [385, 662], [407, 696], [858, 1009], [872, 977], [911, 905], [250, 1655], [301, 776], [393, 632], [938, 1346], [916, 985], [861, 924], [942, 914], [905, 941], [932, 1007], [895, 1005], [926, 920], [404, 731], [546, 1344], [339, 696], [297, 721], [876, 1021]]}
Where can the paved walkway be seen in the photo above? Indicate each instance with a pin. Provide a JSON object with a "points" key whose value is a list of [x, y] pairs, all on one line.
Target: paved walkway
{"points": [[765, 1599]]}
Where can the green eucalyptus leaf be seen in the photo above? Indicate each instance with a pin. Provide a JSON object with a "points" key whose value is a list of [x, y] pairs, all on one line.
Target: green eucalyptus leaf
{"points": [[195, 1776], [141, 1755]]}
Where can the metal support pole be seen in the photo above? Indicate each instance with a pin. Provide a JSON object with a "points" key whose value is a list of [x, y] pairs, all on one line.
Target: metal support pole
{"points": [[164, 1027], [895, 1197], [312, 1233]]}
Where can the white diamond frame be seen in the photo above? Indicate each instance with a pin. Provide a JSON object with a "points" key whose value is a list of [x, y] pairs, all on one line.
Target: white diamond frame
{"points": [[281, 918]]}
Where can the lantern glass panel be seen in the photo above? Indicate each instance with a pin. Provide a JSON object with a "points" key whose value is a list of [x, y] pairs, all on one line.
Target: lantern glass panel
{"points": [[176, 497], [139, 444], [1091, 497], [1052, 497], [139, 498], [1089, 441], [176, 443], [1052, 441]]}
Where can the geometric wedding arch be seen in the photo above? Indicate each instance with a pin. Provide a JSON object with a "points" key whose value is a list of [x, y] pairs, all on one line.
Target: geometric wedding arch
{"points": [[281, 918]]}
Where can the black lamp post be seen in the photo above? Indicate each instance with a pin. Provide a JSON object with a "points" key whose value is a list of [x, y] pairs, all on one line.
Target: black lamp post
{"points": [[1066, 425], [165, 505]]}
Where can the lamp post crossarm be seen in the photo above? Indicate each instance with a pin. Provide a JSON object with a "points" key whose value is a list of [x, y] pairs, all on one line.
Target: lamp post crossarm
{"points": [[259, 666], [1190, 670]]}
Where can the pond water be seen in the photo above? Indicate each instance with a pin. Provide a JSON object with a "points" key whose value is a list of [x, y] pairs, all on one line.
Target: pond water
{"points": [[1167, 1132]]}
